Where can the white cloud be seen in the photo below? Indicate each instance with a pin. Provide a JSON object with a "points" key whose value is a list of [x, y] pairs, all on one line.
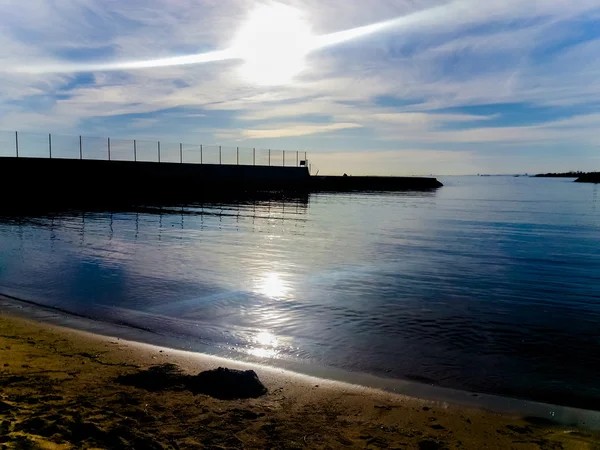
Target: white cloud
{"points": [[580, 129], [422, 119], [296, 130]]}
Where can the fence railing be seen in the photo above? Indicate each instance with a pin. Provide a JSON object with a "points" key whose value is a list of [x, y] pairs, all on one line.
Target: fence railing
{"points": [[37, 145]]}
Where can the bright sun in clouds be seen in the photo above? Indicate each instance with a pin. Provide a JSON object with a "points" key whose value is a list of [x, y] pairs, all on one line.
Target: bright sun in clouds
{"points": [[273, 42]]}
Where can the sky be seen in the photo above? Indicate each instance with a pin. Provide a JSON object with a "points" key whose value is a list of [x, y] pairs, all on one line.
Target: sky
{"points": [[434, 87]]}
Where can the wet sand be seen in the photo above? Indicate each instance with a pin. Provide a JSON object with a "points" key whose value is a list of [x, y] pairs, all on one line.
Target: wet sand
{"points": [[60, 389]]}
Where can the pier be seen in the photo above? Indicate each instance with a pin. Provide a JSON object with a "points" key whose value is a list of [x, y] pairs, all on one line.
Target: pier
{"points": [[82, 172]]}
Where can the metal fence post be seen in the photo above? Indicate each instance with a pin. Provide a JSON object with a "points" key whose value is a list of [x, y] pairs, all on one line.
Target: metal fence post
{"points": [[80, 147], [220, 155], [297, 159], [200, 153], [50, 145], [238, 155], [180, 153], [158, 151], [17, 143], [109, 149], [134, 150], [283, 153], [254, 156], [269, 157]]}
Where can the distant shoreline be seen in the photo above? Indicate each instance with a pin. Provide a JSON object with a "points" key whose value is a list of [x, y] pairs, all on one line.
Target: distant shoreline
{"points": [[560, 175], [593, 177]]}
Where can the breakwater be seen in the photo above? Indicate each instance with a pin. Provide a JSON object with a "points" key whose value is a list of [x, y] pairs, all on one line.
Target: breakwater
{"points": [[43, 181]]}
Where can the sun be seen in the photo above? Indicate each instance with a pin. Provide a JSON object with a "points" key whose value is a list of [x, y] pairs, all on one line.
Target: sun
{"points": [[273, 43]]}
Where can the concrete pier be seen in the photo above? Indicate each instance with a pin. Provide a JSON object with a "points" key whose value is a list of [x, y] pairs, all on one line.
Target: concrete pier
{"points": [[345, 184], [43, 181]]}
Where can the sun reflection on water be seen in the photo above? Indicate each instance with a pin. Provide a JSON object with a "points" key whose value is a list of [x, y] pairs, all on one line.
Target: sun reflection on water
{"points": [[266, 345], [263, 352], [272, 285]]}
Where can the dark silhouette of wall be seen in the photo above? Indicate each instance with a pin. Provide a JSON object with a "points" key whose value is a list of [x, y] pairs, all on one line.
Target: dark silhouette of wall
{"points": [[83, 182], [43, 182], [350, 183]]}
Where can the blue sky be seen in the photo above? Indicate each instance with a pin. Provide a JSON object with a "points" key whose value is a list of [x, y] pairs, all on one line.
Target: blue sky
{"points": [[486, 87]]}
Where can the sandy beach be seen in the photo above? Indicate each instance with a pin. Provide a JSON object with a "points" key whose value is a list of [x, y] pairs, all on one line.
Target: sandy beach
{"points": [[61, 389]]}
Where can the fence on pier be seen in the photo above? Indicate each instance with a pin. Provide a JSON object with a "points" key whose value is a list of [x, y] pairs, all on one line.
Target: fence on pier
{"points": [[37, 145]]}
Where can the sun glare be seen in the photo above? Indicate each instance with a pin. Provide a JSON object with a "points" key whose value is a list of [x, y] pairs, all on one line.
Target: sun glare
{"points": [[273, 43]]}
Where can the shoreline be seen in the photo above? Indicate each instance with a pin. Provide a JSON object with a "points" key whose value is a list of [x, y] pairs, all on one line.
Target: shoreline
{"points": [[59, 388], [65, 321]]}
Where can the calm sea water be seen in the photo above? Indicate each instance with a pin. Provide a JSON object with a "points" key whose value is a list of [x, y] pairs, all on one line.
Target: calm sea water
{"points": [[488, 284]]}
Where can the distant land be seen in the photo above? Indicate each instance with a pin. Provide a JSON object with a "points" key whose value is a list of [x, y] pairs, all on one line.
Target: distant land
{"points": [[561, 175], [592, 177]]}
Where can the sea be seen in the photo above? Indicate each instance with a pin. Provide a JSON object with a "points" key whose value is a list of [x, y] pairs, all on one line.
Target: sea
{"points": [[488, 284]]}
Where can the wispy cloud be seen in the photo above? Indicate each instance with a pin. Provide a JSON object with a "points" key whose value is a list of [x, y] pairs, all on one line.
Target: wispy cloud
{"points": [[297, 130], [425, 119], [580, 129]]}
